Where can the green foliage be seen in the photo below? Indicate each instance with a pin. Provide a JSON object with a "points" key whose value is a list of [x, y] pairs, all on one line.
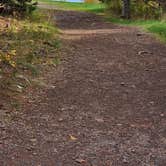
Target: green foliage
{"points": [[153, 26], [159, 29], [89, 7], [146, 9], [17, 6], [114, 6], [27, 45]]}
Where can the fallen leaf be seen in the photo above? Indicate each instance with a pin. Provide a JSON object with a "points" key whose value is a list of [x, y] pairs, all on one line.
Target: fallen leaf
{"points": [[144, 52], [73, 138], [80, 161]]}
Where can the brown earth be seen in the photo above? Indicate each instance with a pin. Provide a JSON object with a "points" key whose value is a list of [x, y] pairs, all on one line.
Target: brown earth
{"points": [[103, 106]]}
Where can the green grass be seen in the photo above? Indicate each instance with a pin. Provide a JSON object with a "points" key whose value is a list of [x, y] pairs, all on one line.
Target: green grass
{"points": [[27, 45], [89, 7], [153, 26]]}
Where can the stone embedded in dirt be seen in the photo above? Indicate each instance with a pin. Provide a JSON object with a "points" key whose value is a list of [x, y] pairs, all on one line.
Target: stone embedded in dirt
{"points": [[162, 115], [33, 140], [67, 108], [80, 161], [48, 139], [122, 84], [133, 86], [100, 120], [93, 23], [125, 160], [45, 117], [132, 125], [133, 150], [13, 158], [30, 148], [152, 102], [55, 150], [52, 86], [144, 52]]}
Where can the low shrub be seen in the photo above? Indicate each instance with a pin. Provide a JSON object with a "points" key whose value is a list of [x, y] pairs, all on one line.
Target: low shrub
{"points": [[144, 9], [17, 7], [27, 46]]}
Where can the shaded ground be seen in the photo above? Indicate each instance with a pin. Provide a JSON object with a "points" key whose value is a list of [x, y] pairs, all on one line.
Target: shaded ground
{"points": [[104, 105]]}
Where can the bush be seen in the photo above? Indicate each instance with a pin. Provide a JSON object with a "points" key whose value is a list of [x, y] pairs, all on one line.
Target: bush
{"points": [[114, 6], [146, 9], [28, 46], [18, 7]]}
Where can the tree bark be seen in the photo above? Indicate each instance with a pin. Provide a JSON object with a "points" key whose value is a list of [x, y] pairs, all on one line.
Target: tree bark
{"points": [[126, 9]]}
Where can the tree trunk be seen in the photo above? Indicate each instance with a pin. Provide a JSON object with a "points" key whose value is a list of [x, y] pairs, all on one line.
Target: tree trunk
{"points": [[162, 4], [126, 9]]}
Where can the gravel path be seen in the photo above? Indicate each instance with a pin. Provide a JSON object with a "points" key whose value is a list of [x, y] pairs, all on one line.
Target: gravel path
{"points": [[104, 106]]}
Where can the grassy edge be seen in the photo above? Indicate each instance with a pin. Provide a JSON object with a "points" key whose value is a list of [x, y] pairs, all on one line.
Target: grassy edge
{"points": [[87, 7], [29, 46], [156, 27]]}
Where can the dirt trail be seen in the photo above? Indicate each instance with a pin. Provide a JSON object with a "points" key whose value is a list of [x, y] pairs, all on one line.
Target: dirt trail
{"points": [[105, 105]]}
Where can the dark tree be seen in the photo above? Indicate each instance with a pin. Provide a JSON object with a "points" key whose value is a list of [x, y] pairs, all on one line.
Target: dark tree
{"points": [[18, 6], [126, 9]]}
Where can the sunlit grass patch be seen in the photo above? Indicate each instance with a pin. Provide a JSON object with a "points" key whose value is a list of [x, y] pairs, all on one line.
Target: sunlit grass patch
{"points": [[159, 29], [154, 26], [89, 7]]}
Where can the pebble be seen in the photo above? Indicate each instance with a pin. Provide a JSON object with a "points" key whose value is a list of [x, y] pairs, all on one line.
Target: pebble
{"points": [[60, 119], [122, 84], [162, 115], [80, 161]]}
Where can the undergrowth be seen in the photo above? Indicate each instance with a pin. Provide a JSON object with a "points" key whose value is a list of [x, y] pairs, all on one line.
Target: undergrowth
{"points": [[26, 45], [154, 26]]}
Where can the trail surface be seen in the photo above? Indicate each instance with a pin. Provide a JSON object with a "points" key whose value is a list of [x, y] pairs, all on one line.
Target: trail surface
{"points": [[103, 106]]}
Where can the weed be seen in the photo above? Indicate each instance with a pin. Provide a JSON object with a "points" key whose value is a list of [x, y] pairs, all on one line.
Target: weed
{"points": [[89, 7], [154, 26], [26, 44]]}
